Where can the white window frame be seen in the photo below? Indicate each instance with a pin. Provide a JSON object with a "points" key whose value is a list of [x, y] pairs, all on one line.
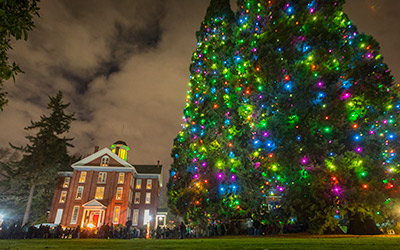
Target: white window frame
{"points": [[82, 177], [148, 198], [105, 161], [121, 178], [67, 180], [118, 195], [77, 193], [102, 177], [149, 184], [75, 213], [138, 184], [137, 198], [59, 216], [117, 212], [146, 216], [99, 193], [135, 217], [63, 197]]}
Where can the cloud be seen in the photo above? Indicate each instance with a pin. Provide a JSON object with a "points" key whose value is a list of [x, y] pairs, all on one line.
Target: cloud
{"points": [[123, 65]]}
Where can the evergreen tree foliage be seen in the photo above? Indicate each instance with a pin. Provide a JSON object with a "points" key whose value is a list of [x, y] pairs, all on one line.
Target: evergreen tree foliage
{"points": [[295, 121], [44, 155]]}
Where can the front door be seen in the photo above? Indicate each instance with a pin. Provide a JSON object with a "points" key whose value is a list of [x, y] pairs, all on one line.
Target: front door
{"points": [[95, 218]]}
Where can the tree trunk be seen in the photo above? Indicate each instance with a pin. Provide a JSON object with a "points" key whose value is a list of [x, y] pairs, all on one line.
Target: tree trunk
{"points": [[28, 205], [359, 227]]}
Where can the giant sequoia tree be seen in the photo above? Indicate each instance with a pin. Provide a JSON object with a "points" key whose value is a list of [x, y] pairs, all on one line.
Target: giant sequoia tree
{"points": [[291, 115]]}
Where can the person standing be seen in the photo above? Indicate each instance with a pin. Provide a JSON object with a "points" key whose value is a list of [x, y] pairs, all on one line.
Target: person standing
{"points": [[183, 230]]}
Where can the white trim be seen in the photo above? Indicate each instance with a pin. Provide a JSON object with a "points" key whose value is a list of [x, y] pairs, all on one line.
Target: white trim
{"points": [[100, 153], [135, 217], [146, 216], [147, 176], [59, 215], [117, 214], [104, 169], [151, 176], [61, 200], [148, 196], [73, 213], [65, 173], [105, 161], [94, 204], [116, 195]]}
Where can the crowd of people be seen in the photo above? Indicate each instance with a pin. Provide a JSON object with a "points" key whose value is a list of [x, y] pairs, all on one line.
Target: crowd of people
{"points": [[45, 231], [251, 227]]}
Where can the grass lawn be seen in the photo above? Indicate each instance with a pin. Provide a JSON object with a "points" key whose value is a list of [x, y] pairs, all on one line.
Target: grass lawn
{"points": [[242, 242]]}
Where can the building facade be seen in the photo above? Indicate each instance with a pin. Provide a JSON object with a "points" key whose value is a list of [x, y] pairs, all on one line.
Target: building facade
{"points": [[104, 188]]}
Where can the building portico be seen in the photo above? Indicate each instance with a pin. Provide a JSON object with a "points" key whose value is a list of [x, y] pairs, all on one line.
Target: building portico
{"points": [[93, 214]]}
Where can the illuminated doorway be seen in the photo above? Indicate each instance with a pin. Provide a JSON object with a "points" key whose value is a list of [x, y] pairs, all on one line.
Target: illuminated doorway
{"points": [[93, 214]]}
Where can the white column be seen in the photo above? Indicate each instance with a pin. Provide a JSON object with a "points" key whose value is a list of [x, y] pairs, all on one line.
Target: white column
{"points": [[83, 217]]}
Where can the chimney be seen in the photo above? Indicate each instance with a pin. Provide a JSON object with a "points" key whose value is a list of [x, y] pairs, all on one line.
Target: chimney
{"points": [[158, 163], [96, 148]]}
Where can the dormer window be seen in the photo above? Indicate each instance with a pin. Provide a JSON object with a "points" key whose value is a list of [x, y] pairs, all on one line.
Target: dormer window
{"points": [[105, 161]]}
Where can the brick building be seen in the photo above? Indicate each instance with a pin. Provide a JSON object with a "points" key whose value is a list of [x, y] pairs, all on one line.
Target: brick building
{"points": [[104, 188]]}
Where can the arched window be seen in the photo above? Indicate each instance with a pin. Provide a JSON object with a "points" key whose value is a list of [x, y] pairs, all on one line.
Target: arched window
{"points": [[104, 161]]}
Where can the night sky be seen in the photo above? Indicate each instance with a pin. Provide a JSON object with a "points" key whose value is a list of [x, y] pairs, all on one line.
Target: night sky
{"points": [[124, 66]]}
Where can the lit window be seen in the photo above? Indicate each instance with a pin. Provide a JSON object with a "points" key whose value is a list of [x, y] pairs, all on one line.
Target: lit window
{"points": [[135, 217], [119, 193], [63, 196], [122, 154], [121, 178], [99, 193], [138, 183], [137, 198], [79, 193], [146, 216], [105, 161], [82, 178], [75, 213], [149, 184], [148, 198], [102, 177], [116, 215], [66, 182]]}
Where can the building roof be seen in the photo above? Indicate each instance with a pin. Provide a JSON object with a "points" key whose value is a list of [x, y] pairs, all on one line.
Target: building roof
{"points": [[94, 204], [84, 164], [120, 142], [162, 210], [148, 169]]}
